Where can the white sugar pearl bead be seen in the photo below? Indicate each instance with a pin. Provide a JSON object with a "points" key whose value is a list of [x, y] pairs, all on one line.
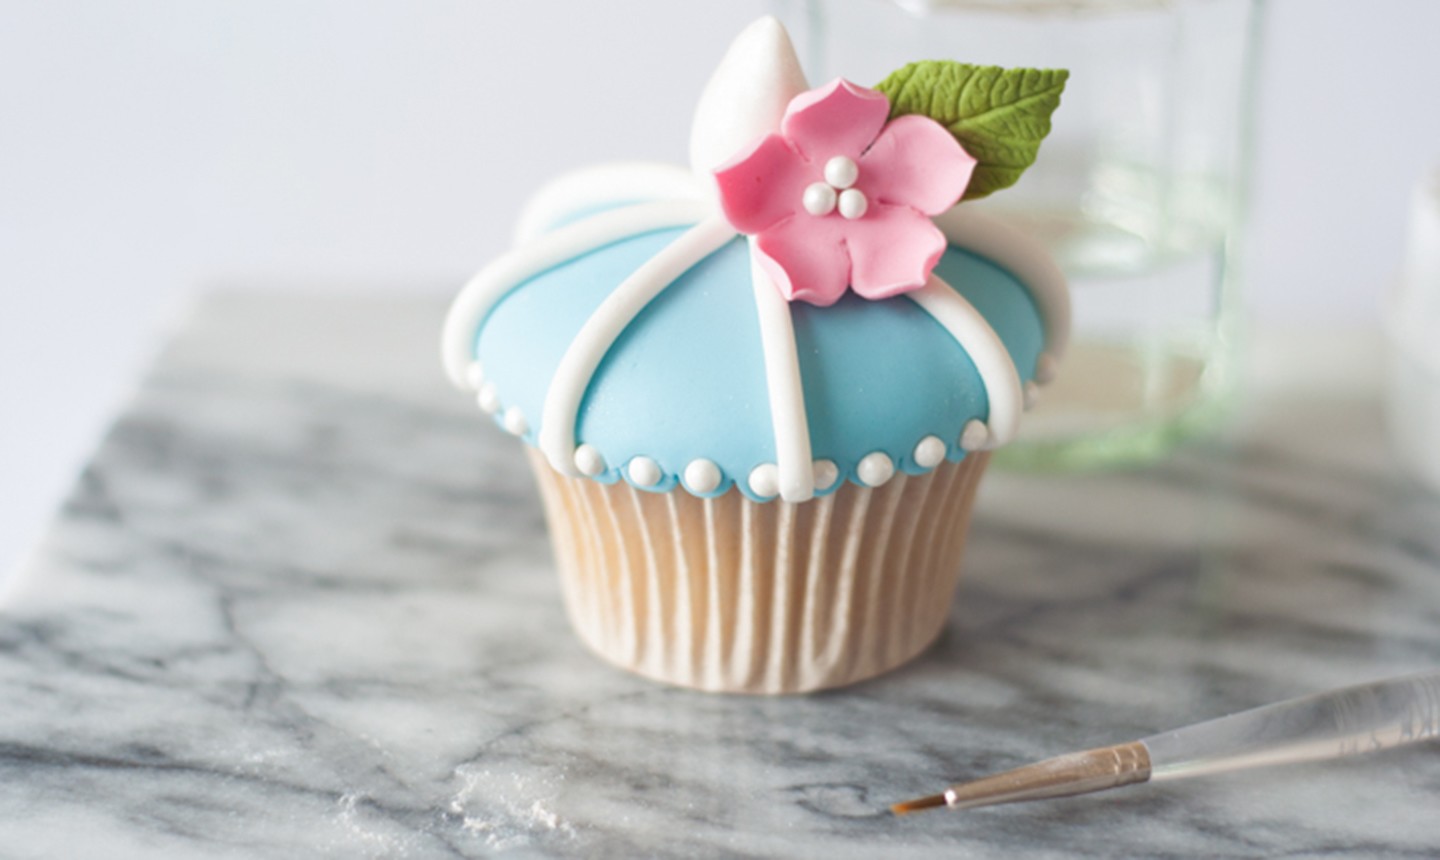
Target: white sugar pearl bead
{"points": [[644, 472], [702, 476], [474, 375], [819, 199], [930, 452], [488, 398], [515, 422], [1045, 367], [841, 172], [875, 469], [826, 474], [765, 480], [975, 437], [853, 203], [589, 461]]}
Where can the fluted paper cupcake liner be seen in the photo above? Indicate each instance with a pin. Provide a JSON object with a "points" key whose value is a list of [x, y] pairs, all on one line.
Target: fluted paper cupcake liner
{"points": [[726, 594]]}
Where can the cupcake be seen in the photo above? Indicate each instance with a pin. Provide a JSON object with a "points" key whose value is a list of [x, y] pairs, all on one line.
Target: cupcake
{"points": [[758, 394]]}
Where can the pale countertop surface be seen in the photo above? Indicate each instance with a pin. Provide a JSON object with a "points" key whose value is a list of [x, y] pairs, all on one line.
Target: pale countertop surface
{"points": [[300, 603]]}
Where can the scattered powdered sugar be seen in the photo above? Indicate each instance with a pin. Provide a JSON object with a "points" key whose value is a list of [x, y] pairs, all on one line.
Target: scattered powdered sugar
{"points": [[351, 819], [509, 810]]}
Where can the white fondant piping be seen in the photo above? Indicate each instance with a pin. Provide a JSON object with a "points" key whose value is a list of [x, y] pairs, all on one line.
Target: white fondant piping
{"points": [[582, 358], [974, 334], [604, 185], [493, 282], [784, 386], [1020, 255]]}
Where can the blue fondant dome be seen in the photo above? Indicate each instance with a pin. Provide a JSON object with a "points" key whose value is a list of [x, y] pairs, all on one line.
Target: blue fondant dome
{"points": [[685, 379]]}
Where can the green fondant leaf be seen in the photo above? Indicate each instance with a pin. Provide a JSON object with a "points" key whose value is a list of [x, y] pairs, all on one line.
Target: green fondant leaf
{"points": [[998, 115]]}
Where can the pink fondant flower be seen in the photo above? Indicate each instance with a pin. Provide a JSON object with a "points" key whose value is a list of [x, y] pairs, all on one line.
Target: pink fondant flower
{"points": [[841, 198]]}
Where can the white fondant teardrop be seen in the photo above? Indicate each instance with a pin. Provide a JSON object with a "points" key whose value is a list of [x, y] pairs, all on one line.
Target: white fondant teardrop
{"points": [[746, 96]]}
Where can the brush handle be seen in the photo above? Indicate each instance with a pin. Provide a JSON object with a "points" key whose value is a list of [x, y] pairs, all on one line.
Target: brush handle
{"points": [[1360, 719]]}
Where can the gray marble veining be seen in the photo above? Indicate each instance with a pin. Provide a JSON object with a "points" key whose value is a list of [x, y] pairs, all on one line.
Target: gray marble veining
{"points": [[301, 604]]}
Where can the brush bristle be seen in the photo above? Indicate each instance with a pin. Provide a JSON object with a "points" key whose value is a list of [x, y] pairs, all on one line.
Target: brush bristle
{"points": [[918, 804]]}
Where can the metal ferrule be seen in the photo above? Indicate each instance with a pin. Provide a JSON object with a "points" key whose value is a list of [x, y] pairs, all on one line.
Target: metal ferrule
{"points": [[1074, 773]]}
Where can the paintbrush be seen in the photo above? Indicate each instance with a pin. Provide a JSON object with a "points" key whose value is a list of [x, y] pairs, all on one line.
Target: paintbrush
{"points": [[1348, 721]]}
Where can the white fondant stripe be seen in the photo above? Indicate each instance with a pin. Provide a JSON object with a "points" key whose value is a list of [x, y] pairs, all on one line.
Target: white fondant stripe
{"points": [[493, 282], [582, 358], [604, 185], [784, 386], [992, 360], [1021, 256]]}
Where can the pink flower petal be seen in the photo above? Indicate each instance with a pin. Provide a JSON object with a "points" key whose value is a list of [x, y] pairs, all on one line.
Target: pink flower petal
{"points": [[839, 118], [892, 250], [916, 162], [805, 257], [762, 185]]}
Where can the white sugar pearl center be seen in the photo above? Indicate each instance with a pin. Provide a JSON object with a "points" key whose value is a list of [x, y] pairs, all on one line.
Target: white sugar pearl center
{"points": [[841, 172], [853, 203], [822, 198], [819, 199]]}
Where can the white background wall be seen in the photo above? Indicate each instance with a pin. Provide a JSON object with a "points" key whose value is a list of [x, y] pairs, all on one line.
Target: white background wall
{"points": [[151, 148]]}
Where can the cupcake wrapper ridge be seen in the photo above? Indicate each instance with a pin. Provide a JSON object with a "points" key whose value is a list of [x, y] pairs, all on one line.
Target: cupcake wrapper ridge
{"points": [[729, 595]]}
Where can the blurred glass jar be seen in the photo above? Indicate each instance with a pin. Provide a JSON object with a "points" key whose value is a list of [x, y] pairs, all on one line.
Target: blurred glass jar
{"points": [[1138, 191]]}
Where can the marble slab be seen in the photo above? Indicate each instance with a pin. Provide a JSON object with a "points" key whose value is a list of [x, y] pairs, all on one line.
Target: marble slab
{"points": [[300, 604]]}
